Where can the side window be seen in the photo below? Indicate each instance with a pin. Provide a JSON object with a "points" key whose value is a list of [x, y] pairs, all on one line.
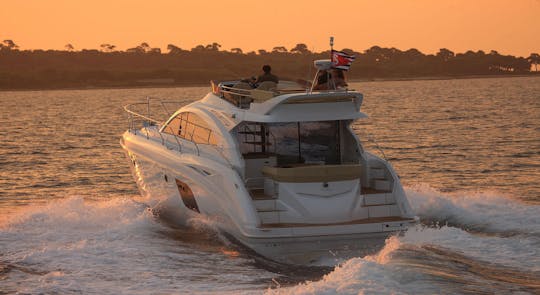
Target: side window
{"points": [[173, 127], [183, 125], [191, 127]]}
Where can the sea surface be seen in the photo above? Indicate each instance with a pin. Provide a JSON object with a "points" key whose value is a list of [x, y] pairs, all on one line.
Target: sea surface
{"points": [[467, 152]]}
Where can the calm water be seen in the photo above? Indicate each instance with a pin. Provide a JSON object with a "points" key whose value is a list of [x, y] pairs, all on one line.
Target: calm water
{"points": [[468, 153]]}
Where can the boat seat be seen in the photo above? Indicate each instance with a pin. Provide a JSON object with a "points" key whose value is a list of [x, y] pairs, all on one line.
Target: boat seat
{"points": [[267, 85], [313, 173], [265, 91], [241, 99]]}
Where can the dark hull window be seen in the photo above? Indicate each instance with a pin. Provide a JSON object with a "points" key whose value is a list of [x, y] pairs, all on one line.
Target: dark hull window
{"points": [[187, 196]]}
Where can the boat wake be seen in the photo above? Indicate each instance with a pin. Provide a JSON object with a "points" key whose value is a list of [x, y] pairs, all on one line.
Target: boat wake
{"points": [[112, 246], [465, 243], [408, 266], [482, 212]]}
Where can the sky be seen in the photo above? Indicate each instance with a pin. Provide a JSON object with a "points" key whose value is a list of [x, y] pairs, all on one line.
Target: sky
{"points": [[508, 26]]}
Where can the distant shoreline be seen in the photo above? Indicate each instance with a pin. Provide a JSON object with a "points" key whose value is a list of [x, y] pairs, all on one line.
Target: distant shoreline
{"points": [[442, 78], [179, 85]]}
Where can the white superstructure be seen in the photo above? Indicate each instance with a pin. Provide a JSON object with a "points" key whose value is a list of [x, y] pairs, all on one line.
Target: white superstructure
{"points": [[278, 170]]}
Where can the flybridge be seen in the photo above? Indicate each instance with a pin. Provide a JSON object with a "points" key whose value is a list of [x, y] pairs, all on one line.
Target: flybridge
{"points": [[328, 86], [287, 102]]}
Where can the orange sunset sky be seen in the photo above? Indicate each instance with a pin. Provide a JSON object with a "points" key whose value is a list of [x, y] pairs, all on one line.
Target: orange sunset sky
{"points": [[508, 26]]}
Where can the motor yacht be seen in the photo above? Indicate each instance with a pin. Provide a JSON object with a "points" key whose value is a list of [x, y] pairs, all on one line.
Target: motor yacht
{"points": [[277, 169]]}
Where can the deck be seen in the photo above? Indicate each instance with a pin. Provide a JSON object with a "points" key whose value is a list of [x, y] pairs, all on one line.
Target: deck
{"points": [[357, 221]]}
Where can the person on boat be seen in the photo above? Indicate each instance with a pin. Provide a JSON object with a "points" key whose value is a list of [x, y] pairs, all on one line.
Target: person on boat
{"points": [[322, 80], [267, 76], [330, 80], [338, 79]]}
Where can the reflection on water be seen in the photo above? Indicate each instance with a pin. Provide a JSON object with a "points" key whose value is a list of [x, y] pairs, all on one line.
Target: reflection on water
{"points": [[468, 152]]}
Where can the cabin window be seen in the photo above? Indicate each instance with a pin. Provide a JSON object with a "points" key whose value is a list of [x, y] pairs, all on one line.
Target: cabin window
{"points": [[252, 138], [191, 127], [306, 142]]}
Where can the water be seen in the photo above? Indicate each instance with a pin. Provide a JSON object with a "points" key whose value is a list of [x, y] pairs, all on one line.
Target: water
{"points": [[467, 151]]}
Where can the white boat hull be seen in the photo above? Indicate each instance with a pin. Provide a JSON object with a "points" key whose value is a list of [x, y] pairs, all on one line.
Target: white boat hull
{"points": [[311, 249], [220, 197]]}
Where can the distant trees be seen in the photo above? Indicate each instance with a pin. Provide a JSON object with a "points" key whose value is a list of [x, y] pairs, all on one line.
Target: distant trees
{"points": [[107, 47], [144, 48], [69, 47], [173, 49], [445, 55], [279, 49], [300, 48], [213, 47], [198, 48], [236, 50], [534, 59], [8, 45], [109, 66]]}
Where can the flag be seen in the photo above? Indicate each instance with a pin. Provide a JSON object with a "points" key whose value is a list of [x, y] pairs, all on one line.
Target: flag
{"points": [[341, 60]]}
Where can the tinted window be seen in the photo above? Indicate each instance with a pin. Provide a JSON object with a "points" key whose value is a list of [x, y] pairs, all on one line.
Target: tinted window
{"points": [[306, 142]]}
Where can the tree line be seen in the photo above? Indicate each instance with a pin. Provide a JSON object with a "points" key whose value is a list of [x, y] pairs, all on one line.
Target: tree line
{"points": [[144, 65]]}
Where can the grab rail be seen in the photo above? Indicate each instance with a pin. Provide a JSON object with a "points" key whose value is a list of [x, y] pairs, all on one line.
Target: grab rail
{"points": [[373, 141], [237, 96], [148, 121]]}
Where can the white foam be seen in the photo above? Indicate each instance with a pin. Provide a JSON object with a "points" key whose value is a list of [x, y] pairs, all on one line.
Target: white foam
{"points": [[484, 211], [369, 275], [111, 246], [116, 246], [386, 273]]}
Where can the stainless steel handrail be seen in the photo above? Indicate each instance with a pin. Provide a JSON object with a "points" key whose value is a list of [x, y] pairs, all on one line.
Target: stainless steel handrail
{"points": [[242, 94], [372, 140], [132, 114], [147, 104]]}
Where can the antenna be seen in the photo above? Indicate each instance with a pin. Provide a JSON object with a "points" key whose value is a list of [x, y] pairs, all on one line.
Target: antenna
{"points": [[308, 88], [331, 60]]}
